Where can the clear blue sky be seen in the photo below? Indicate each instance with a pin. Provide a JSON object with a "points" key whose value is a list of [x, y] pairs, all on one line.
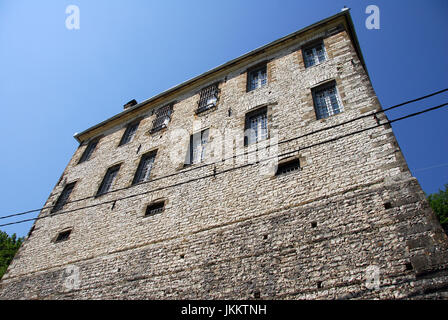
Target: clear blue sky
{"points": [[55, 82]]}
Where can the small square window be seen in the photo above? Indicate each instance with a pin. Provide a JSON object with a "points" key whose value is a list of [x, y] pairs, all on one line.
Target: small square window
{"points": [[257, 78], [63, 236], [326, 100], [314, 54], [256, 128], [155, 208], [108, 180], [288, 166]]}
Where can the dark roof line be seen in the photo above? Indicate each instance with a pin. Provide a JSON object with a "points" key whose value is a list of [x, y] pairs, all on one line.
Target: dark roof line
{"points": [[345, 13]]}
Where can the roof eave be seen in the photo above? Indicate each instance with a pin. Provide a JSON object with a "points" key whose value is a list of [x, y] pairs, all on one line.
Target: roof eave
{"points": [[228, 64]]}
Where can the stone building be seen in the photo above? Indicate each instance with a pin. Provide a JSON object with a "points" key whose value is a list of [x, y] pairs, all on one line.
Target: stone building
{"points": [[268, 177]]}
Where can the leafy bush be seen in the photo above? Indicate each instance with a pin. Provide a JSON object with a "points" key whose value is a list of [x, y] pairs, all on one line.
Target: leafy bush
{"points": [[439, 203], [8, 248]]}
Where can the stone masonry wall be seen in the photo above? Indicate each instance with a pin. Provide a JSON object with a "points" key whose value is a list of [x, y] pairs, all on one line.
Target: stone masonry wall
{"points": [[242, 234]]}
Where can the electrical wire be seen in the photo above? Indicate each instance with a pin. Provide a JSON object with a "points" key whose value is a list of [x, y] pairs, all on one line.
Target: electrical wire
{"points": [[235, 156], [215, 173]]}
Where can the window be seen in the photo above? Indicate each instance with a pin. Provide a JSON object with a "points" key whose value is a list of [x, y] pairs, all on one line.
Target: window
{"points": [[197, 149], [89, 150], [163, 117], [288, 166], [256, 126], [155, 208], [208, 98], [108, 180], [129, 133], [63, 236], [326, 101], [314, 54], [144, 168], [65, 194], [257, 78]]}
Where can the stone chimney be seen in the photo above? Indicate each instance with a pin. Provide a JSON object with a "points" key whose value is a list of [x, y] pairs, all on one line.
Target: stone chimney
{"points": [[131, 103]]}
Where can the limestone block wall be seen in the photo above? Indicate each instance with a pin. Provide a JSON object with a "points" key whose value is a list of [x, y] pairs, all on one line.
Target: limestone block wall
{"points": [[229, 231]]}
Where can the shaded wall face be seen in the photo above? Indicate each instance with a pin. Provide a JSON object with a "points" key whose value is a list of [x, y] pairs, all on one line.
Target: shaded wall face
{"points": [[309, 233]]}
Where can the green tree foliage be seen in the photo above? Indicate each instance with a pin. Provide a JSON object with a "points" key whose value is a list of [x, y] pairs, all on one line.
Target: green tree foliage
{"points": [[439, 203], [8, 248]]}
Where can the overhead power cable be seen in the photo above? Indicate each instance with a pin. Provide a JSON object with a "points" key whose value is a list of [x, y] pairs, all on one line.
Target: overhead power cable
{"points": [[216, 173], [236, 156]]}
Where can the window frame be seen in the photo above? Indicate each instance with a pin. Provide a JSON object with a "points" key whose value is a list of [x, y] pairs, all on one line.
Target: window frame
{"points": [[193, 138], [287, 166], [162, 114], [127, 137], [58, 206], [157, 210], [148, 155], [205, 94], [89, 150], [114, 169], [323, 88], [247, 124], [252, 71], [312, 46], [63, 235]]}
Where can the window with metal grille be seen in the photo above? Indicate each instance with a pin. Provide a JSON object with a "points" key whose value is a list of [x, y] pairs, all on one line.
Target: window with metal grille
{"points": [[155, 208], [288, 166], [256, 128], [89, 150], [63, 198], [163, 117], [208, 98], [63, 236], [198, 147], [108, 180], [144, 168], [314, 55], [129, 133], [257, 78], [327, 101]]}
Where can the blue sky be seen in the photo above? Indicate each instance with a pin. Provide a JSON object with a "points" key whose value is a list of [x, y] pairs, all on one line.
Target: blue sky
{"points": [[56, 81]]}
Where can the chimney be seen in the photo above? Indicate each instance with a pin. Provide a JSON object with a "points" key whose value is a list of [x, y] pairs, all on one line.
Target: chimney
{"points": [[131, 103]]}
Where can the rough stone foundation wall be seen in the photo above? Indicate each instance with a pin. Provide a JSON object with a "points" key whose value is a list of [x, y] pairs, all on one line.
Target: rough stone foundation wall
{"points": [[241, 234]]}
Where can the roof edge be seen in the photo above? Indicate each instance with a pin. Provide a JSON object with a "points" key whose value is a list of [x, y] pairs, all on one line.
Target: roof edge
{"points": [[258, 50]]}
